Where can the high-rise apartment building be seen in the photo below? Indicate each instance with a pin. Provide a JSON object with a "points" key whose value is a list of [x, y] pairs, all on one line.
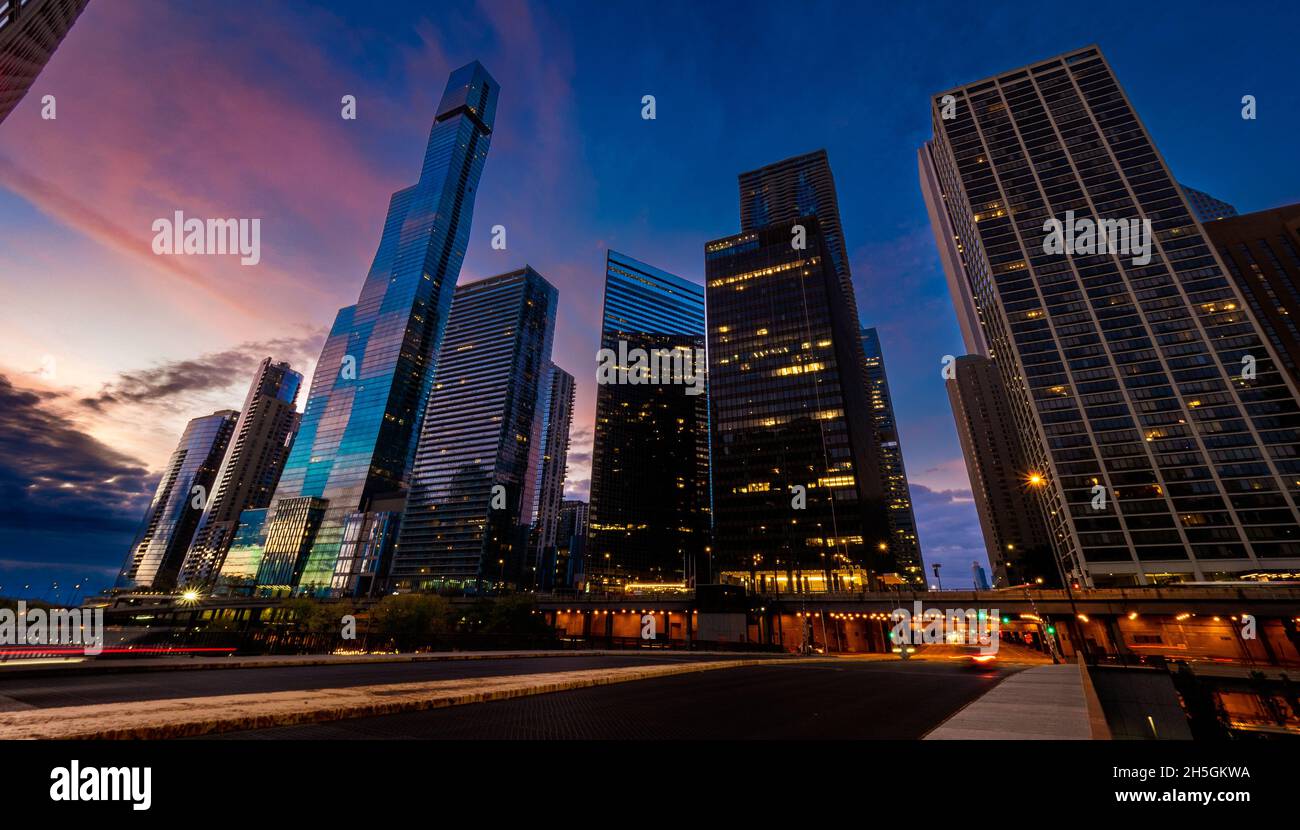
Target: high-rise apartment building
{"points": [[552, 436], [903, 541], [159, 547], [30, 31], [1262, 253], [797, 496], [571, 546], [1159, 435], [472, 486], [1015, 535], [358, 434], [250, 470], [650, 452]]}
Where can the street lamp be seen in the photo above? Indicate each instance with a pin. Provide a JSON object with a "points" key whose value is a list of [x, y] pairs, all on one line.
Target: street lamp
{"points": [[936, 575]]}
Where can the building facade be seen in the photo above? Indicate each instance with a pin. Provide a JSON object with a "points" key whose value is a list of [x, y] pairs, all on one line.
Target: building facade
{"points": [[1154, 456], [1015, 536], [467, 517], [552, 435], [903, 540], [159, 547], [250, 470], [358, 434], [1205, 207], [1262, 253], [650, 451], [797, 496], [30, 31]]}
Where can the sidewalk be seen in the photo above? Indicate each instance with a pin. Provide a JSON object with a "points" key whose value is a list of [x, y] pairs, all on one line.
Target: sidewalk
{"points": [[1041, 703]]}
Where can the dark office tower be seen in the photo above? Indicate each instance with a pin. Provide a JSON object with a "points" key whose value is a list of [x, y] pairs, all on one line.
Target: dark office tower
{"points": [[1205, 207], [799, 186], [571, 545], [250, 470], [903, 541], [164, 537], [1014, 533], [359, 430], [466, 520], [552, 434], [1262, 252], [1158, 431], [790, 411], [30, 31], [650, 454]]}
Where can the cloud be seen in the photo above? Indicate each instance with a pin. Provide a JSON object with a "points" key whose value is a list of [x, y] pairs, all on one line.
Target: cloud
{"points": [[54, 476], [178, 379], [949, 529]]}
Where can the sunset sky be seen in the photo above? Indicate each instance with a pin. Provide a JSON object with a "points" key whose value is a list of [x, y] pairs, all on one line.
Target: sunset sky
{"points": [[227, 110]]}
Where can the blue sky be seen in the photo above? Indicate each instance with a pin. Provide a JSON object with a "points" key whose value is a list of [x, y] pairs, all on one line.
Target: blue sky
{"points": [[209, 106]]}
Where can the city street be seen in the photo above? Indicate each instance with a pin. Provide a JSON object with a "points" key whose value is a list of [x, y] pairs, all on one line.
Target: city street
{"points": [[843, 698]]}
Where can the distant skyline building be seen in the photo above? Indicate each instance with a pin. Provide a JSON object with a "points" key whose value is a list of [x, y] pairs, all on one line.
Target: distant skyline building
{"points": [[30, 31], [1155, 456], [797, 497], [904, 543], [1262, 253], [553, 425], [250, 470], [155, 557], [1205, 207], [650, 452], [571, 545], [358, 434], [473, 483], [1015, 536]]}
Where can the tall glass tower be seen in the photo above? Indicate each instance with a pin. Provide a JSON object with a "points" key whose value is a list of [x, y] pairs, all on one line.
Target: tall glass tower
{"points": [[903, 541], [552, 435], [466, 520], [650, 454], [251, 469], [1160, 437], [159, 547], [358, 433]]}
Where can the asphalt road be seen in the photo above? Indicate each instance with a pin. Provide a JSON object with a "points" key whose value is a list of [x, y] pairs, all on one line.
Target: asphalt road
{"points": [[835, 699], [92, 688]]}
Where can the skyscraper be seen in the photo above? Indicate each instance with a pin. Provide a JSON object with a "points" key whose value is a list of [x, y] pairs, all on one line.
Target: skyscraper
{"points": [[1205, 207], [650, 453], [472, 487], [799, 186], [359, 430], [552, 435], [903, 541], [250, 470], [1015, 535], [1159, 434], [164, 537], [797, 493], [30, 31], [571, 545], [1262, 253]]}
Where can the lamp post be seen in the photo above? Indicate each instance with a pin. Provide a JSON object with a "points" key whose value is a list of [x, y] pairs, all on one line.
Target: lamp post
{"points": [[936, 566]]}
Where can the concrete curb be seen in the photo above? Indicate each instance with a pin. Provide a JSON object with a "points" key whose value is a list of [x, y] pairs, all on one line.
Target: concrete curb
{"points": [[183, 663], [192, 717]]}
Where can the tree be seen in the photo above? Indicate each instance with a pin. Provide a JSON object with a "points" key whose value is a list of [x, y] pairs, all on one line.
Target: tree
{"points": [[411, 620]]}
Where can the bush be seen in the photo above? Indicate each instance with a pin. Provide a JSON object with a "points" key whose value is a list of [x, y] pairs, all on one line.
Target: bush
{"points": [[411, 620]]}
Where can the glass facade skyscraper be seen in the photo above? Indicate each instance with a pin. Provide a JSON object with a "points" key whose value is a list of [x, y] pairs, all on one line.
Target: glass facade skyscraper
{"points": [[358, 433], [903, 541], [1127, 377], [556, 410], [250, 470], [797, 497], [472, 486], [159, 547], [649, 511]]}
